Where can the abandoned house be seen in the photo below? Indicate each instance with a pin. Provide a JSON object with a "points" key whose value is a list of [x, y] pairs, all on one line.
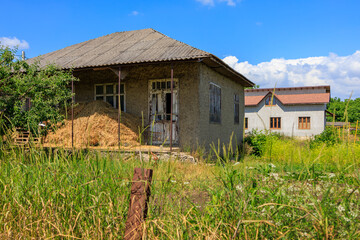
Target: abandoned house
{"points": [[207, 100], [293, 111]]}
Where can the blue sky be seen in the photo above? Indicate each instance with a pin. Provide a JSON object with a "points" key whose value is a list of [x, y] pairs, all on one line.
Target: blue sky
{"points": [[269, 41]]}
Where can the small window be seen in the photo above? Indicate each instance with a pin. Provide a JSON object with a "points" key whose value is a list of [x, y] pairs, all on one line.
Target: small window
{"points": [[275, 123], [236, 109], [215, 103], [304, 122], [110, 93], [268, 101], [246, 123], [26, 105]]}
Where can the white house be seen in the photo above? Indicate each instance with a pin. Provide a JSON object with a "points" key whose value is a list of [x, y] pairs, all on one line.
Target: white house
{"points": [[294, 111]]}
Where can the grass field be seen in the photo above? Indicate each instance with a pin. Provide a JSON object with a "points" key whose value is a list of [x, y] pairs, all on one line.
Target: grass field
{"points": [[291, 191]]}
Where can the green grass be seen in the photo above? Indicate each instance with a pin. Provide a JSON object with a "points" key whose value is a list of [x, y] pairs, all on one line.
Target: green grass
{"points": [[290, 192]]}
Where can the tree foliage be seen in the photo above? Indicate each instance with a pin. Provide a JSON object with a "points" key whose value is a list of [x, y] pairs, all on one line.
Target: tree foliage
{"points": [[342, 111], [45, 90]]}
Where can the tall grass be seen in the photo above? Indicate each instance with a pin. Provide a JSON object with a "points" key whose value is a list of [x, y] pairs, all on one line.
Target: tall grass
{"points": [[298, 193]]}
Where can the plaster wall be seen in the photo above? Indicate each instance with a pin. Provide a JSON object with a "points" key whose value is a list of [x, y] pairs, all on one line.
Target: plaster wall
{"points": [[259, 118]]}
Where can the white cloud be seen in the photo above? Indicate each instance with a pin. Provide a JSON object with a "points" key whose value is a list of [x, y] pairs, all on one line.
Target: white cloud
{"points": [[342, 73], [229, 2], [212, 2], [134, 13], [14, 42], [207, 2]]}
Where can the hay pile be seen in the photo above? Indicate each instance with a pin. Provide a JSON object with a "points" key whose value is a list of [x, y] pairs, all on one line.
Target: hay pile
{"points": [[95, 124]]}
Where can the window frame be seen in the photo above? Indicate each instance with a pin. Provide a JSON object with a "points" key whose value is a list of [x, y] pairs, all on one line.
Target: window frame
{"points": [[268, 102], [307, 123], [276, 123], [236, 107], [214, 115], [246, 123], [113, 94]]}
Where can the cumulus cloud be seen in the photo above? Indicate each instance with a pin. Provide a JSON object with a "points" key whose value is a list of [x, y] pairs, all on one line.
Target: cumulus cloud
{"points": [[14, 42], [342, 73], [134, 13], [212, 2]]}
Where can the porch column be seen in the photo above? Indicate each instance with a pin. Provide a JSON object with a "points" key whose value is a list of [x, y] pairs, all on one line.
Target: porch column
{"points": [[119, 107], [171, 106], [72, 113]]}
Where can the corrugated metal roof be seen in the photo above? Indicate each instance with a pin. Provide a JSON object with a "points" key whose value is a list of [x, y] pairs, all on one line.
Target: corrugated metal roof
{"points": [[138, 46], [130, 47]]}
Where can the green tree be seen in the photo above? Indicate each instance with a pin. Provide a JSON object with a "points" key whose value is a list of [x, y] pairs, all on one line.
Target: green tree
{"points": [[30, 94], [338, 107]]}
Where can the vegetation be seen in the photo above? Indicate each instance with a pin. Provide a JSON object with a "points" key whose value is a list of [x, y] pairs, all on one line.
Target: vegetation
{"points": [[343, 113], [23, 85], [288, 191], [282, 189]]}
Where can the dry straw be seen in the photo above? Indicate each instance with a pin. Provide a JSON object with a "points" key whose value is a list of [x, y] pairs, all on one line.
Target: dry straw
{"points": [[95, 124]]}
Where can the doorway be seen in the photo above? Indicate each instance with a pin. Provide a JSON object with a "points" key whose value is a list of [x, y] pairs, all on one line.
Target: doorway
{"points": [[160, 111]]}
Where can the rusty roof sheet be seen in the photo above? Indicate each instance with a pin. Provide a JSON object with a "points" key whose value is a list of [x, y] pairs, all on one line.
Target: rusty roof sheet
{"points": [[291, 99]]}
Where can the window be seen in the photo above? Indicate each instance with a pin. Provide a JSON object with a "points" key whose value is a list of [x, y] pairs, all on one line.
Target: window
{"points": [[215, 103], [304, 122], [246, 123], [268, 101], [236, 109], [110, 93], [26, 104], [275, 123]]}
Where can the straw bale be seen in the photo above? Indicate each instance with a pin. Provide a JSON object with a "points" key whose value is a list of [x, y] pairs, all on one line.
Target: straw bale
{"points": [[95, 124]]}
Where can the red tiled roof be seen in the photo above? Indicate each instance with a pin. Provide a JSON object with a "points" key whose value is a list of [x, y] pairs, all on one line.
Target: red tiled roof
{"points": [[253, 100], [291, 99], [326, 87]]}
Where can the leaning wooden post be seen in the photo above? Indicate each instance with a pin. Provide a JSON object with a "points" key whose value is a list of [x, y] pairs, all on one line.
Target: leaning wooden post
{"points": [[140, 194], [356, 128], [119, 107]]}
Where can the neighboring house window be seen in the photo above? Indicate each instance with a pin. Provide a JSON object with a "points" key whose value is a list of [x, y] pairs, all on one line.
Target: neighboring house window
{"points": [[110, 93], [236, 109], [26, 104], [268, 101], [246, 123], [304, 122], [215, 103], [275, 123]]}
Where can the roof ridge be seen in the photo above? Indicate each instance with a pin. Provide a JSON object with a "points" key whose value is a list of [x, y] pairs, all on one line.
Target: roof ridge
{"points": [[179, 41]]}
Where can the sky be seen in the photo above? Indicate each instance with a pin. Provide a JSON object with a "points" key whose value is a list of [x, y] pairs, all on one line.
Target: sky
{"points": [[272, 42]]}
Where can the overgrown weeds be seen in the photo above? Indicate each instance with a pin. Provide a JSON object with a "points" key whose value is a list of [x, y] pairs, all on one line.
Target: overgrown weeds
{"points": [[290, 192]]}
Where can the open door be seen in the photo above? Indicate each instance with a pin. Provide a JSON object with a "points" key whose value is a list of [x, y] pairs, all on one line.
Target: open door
{"points": [[160, 111]]}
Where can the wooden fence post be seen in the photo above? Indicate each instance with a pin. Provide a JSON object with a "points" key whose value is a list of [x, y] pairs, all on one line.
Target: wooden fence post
{"points": [[140, 194]]}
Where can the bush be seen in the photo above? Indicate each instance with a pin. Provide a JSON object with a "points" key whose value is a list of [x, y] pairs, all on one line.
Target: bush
{"points": [[328, 136], [257, 140]]}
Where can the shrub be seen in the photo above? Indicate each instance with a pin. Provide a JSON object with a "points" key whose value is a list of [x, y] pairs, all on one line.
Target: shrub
{"points": [[257, 140], [328, 136]]}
